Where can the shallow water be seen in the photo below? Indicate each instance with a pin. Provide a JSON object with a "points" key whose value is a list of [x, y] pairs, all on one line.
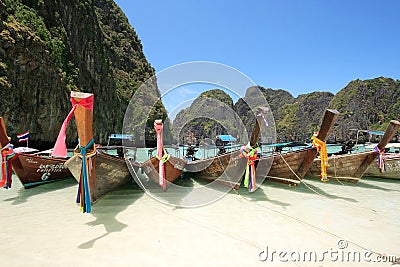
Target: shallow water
{"points": [[42, 226]]}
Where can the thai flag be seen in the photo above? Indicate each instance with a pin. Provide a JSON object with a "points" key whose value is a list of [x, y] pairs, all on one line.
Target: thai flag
{"points": [[23, 137]]}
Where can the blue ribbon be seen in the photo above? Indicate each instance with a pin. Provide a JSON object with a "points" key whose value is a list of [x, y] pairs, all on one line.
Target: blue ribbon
{"points": [[86, 201]]}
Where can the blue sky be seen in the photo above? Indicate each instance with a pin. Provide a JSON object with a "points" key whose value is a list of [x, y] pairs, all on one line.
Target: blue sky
{"points": [[300, 46]]}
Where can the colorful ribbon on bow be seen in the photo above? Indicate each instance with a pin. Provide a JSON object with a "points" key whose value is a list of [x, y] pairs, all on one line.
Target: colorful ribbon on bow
{"points": [[164, 158], [60, 148], [161, 158], [250, 175], [83, 196], [7, 156], [323, 154], [381, 158]]}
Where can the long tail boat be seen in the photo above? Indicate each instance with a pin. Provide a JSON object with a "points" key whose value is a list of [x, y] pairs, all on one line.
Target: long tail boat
{"points": [[391, 168], [230, 167], [391, 160], [351, 167], [291, 167], [97, 172], [32, 170], [163, 168]]}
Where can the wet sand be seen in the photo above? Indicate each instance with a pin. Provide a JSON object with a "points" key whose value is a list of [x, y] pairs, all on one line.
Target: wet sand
{"points": [[43, 226]]}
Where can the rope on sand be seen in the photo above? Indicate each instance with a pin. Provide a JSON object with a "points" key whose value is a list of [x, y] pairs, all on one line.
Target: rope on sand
{"points": [[203, 224], [310, 225], [304, 222], [298, 178], [314, 191], [214, 229]]}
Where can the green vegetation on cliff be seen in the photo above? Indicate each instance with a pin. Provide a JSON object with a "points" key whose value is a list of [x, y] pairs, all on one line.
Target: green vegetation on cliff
{"points": [[295, 118], [367, 105], [48, 48], [209, 115]]}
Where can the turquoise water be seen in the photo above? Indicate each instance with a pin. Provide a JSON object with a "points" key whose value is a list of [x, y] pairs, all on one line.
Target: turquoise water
{"points": [[142, 154]]}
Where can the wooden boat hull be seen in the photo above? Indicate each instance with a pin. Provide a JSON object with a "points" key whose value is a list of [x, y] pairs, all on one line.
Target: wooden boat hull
{"points": [[392, 168], [347, 167], [227, 168], [111, 173], [33, 170], [173, 168], [290, 167], [351, 167]]}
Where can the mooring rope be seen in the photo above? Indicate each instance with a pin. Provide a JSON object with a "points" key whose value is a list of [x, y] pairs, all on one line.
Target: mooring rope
{"points": [[312, 190], [309, 225], [334, 167], [298, 178]]}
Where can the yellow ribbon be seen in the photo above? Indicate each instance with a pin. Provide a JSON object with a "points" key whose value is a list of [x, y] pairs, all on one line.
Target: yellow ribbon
{"points": [[323, 154], [165, 157]]}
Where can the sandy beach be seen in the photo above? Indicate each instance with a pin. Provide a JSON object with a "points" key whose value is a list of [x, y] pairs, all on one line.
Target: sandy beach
{"points": [[338, 225]]}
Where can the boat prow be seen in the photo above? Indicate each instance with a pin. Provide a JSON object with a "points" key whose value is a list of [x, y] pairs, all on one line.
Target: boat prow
{"points": [[351, 167], [291, 167], [229, 168], [162, 168], [111, 172], [97, 172], [34, 170]]}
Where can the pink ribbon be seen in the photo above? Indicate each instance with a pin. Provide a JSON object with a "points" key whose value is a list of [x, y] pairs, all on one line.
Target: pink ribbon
{"points": [[60, 148], [161, 169], [381, 158]]}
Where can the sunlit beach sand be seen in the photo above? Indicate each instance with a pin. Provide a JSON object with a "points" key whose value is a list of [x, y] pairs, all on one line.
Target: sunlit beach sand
{"points": [[42, 226]]}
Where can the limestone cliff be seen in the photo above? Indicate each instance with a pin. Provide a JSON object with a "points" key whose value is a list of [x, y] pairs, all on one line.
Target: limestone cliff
{"points": [[295, 118], [209, 115], [366, 105], [48, 48]]}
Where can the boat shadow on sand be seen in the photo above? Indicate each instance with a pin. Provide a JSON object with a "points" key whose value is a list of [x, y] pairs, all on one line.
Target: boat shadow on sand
{"points": [[106, 209], [223, 189], [307, 187], [25, 194], [218, 190], [378, 183], [175, 193], [191, 183], [258, 196], [366, 182]]}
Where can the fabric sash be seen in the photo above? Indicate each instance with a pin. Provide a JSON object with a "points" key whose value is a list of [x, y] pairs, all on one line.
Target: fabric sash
{"points": [[250, 154], [60, 148], [161, 170], [381, 158], [6, 157], [323, 154], [83, 195]]}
